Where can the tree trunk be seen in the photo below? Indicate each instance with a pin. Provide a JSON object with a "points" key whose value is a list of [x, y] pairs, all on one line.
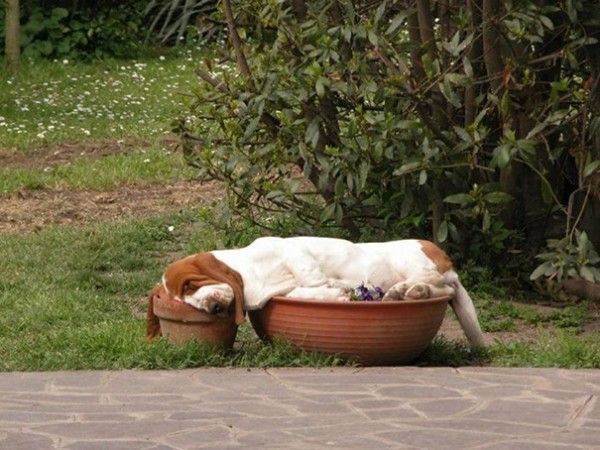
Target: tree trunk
{"points": [[11, 40]]}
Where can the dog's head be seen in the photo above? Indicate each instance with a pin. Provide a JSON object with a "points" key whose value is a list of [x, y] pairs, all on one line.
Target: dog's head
{"points": [[184, 277]]}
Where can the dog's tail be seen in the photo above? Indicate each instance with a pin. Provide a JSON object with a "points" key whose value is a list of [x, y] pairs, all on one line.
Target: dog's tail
{"points": [[463, 307]]}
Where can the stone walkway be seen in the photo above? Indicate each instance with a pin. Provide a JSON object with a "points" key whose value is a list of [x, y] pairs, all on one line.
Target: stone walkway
{"points": [[357, 408]]}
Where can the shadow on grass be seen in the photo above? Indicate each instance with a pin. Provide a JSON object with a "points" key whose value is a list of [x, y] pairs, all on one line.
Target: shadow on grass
{"points": [[280, 353], [446, 353]]}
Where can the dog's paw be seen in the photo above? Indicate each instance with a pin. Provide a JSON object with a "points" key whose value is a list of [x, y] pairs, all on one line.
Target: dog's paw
{"points": [[395, 293], [418, 292]]}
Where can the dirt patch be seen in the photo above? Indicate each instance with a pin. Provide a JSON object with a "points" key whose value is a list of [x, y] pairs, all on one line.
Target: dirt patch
{"points": [[30, 211], [56, 155], [452, 331]]}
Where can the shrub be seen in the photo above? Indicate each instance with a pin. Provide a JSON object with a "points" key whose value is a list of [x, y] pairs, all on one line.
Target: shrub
{"points": [[84, 33], [474, 127]]}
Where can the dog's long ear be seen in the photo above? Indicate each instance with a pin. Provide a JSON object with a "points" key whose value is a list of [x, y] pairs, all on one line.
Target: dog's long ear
{"points": [[216, 271], [152, 323], [203, 269]]}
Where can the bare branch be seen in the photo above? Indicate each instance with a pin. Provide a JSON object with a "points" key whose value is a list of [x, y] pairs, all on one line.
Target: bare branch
{"points": [[236, 40]]}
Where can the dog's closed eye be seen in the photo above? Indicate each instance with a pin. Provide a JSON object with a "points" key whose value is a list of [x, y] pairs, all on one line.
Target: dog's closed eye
{"points": [[188, 289]]}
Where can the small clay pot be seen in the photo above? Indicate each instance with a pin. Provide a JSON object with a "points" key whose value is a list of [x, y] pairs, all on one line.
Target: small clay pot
{"points": [[371, 332], [180, 322]]}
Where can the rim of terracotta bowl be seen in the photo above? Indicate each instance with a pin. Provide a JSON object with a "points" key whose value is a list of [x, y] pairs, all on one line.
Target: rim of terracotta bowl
{"points": [[167, 308], [362, 303]]}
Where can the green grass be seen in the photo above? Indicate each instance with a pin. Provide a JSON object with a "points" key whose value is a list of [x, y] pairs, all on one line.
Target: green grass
{"points": [[497, 314], [81, 305], [58, 101], [562, 349], [143, 166], [74, 297]]}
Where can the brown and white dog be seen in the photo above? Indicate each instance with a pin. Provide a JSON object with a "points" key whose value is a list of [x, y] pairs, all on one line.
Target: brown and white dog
{"points": [[318, 268]]}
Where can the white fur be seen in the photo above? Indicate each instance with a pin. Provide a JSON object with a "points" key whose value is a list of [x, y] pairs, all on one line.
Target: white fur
{"points": [[222, 293], [325, 268]]}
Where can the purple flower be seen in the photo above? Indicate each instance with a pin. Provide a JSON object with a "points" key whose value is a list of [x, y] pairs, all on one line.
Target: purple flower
{"points": [[364, 294]]}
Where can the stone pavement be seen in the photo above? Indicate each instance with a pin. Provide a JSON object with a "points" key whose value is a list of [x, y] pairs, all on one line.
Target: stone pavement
{"points": [[356, 408]]}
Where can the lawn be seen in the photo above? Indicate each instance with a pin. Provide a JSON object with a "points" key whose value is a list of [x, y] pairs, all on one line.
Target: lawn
{"points": [[73, 285]]}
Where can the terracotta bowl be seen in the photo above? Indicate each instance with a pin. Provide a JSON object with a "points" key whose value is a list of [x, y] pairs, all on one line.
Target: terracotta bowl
{"points": [[181, 322], [372, 332]]}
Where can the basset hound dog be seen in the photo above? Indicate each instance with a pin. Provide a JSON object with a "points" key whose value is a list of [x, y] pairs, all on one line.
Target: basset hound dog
{"points": [[311, 267]]}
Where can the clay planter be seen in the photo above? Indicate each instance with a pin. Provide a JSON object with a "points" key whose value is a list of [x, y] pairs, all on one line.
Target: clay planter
{"points": [[372, 332], [181, 322]]}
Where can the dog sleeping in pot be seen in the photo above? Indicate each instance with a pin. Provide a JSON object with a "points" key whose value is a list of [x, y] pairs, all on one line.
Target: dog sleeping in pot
{"points": [[313, 268]]}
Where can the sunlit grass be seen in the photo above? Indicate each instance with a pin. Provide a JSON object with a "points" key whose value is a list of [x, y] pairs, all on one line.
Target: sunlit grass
{"points": [[54, 101], [142, 166], [74, 298]]}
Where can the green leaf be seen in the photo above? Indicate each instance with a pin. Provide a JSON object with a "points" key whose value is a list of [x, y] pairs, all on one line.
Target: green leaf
{"points": [[373, 39], [364, 172], [60, 13], [463, 135], [543, 269], [468, 67], [312, 132], [487, 221], [380, 11], [498, 197], [398, 20], [501, 156], [449, 93], [459, 199], [422, 177], [407, 168], [547, 22], [319, 87], [251, 127], [340, 188], [590, 168], [442, 233], [328, 212], [536, 129], [587, 274]]}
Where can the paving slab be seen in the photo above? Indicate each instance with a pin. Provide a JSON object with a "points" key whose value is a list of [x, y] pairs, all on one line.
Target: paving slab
{"points": [[304, 408]]}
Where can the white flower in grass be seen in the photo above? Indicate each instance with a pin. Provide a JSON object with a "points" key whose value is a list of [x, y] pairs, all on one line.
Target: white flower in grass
{"points": [[170, 228]]}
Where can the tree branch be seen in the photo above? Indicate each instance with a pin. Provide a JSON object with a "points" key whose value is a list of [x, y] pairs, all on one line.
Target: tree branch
{"points": [[236, 40]]}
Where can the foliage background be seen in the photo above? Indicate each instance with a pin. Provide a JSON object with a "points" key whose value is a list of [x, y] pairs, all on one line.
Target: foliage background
{"points": [[474, 124]]}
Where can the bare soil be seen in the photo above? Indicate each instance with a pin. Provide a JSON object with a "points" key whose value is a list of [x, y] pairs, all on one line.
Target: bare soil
{"points": [[30, 210]]}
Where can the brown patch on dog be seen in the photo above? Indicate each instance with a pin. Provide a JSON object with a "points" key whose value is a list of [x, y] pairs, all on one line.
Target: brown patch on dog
{"points": [[437, 255], [203, 269]]}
